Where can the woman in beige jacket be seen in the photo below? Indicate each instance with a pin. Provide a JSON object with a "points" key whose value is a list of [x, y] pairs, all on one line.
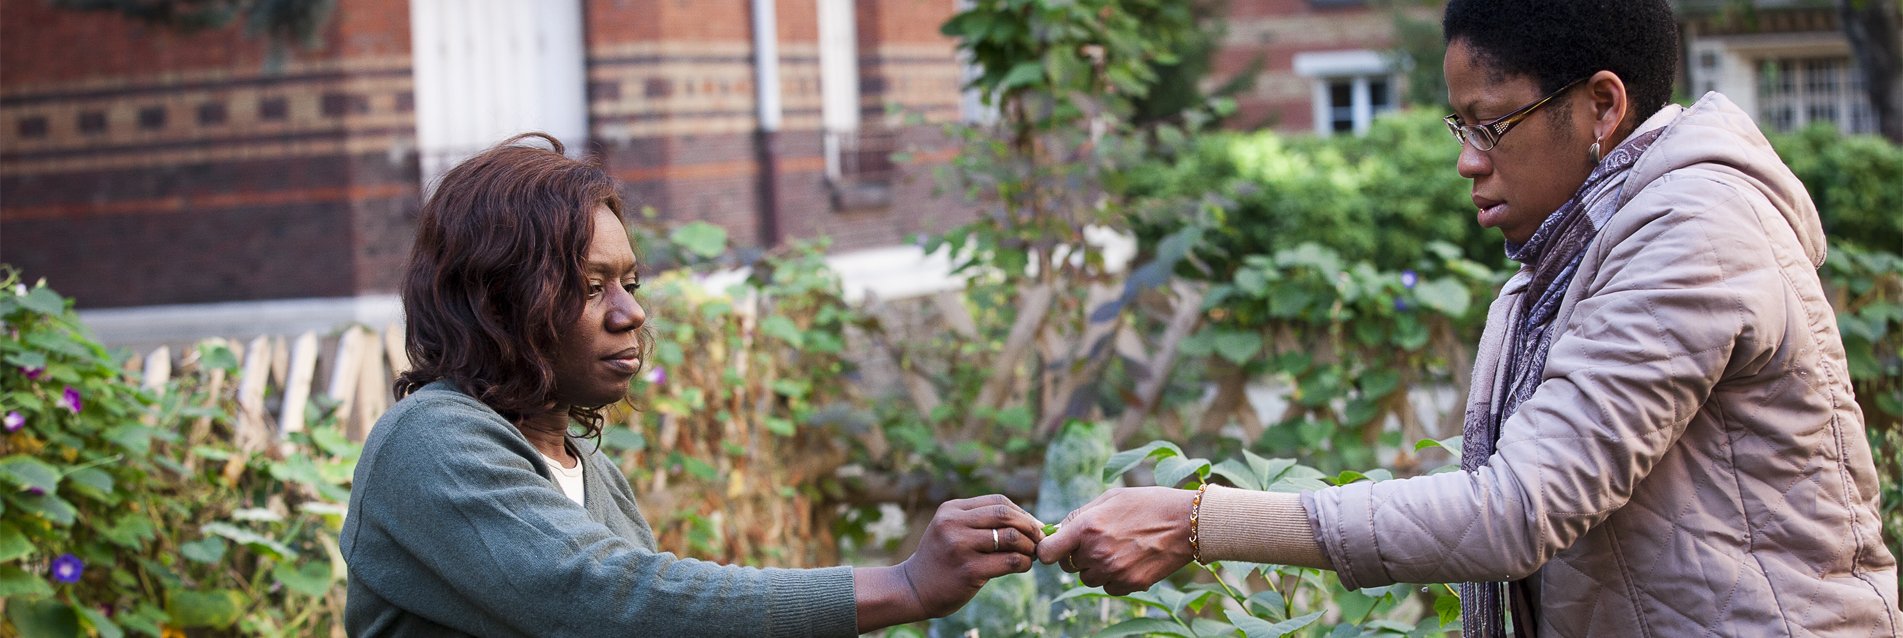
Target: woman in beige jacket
{"points": [[1661, 438]]}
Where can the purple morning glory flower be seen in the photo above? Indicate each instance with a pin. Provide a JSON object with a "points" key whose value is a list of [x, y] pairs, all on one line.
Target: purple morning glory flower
{"points": [[14, 422], [71, 400], [67, 568], [656, 376], [33, 374], [35, 491], [1408, 279], [1400, 304]]}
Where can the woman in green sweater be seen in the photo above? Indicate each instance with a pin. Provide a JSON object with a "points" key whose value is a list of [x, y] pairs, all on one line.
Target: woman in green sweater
{"points": [[478, 506]]}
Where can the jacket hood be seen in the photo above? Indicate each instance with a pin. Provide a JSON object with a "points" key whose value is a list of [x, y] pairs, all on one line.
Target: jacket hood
{"points": [[1718, 135]]}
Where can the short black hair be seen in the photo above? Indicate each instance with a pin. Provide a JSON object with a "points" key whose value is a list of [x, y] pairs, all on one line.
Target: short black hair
{"points": [[1558, 41]]}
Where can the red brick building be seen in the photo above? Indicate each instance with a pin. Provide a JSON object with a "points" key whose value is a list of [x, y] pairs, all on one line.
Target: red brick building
{"points": [[143, 166]]}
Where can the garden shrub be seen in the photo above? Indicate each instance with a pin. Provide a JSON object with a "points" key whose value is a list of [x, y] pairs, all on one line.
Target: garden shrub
{"points": [[127, 510], [1856, 181]]}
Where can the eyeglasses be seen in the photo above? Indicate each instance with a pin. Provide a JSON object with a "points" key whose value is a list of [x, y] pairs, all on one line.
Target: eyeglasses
{"points": [[1484, 136]]}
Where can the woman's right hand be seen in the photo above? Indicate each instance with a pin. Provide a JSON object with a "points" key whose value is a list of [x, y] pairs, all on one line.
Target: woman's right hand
{"points": [[970, 541]]}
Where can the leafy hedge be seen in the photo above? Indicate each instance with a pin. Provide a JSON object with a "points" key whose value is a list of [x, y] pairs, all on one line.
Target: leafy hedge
{"points": [[127, 510]]}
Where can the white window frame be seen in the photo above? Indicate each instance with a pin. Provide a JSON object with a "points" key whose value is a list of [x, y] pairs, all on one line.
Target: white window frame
{"points": [[486, 70], [1358, 67], [838, 80]]}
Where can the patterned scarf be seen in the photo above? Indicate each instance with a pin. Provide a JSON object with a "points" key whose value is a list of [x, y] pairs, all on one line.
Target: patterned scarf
{"points": [[1553, 255]]}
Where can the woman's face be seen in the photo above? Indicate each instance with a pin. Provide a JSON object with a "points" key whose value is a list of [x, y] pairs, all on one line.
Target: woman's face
{"points": [[602, 351], [1537, 165]]}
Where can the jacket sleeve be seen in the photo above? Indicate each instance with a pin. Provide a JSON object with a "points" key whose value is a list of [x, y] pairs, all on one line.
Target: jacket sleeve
{"points": [[1656, 329], [458, 527]]}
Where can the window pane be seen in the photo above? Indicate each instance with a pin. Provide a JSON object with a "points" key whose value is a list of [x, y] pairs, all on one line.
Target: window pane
{"points": [[1380, 97]]}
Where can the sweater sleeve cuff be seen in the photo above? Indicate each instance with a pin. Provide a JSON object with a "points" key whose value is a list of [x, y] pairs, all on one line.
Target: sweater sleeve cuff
{"points": [[811, 602], [1257, 527]]}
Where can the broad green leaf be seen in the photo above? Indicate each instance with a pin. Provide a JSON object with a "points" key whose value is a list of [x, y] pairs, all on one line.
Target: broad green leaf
{"points": [[311, 579], [217, 357], [1446, 296], [100, 623], [129, 531], [252, 539], [49, 507], [782, 427], [1023, 74], [44, 301], [13, 544], [1239, 473], [1280, 629], [1084, 593], [214, 608], [16, 583], [782, 328], [623, 438], [1376, 384], [91, 478], [1122, 461], [1172, 470], [1145, 627], [700, 238], [28, 472], [43, 617], [1448, 608], [1238, 346], [1269, 603], [209, 549]]}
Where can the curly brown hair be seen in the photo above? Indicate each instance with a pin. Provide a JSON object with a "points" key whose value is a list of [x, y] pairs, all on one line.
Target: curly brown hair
{"points": [[495, 276]]}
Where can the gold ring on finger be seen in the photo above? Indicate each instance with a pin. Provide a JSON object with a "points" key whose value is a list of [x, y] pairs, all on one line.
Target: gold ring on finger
{"points": [[995, 543]]}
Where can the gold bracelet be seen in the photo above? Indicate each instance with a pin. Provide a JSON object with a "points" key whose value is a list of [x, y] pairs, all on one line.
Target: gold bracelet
{"points": [[1195, 517]]}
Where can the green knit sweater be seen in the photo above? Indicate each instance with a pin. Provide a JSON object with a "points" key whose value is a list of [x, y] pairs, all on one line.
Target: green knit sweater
{"points": [[457, 527]]}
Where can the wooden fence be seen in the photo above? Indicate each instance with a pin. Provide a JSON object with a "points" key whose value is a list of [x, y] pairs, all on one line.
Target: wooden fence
{"points": [[279, 376]]}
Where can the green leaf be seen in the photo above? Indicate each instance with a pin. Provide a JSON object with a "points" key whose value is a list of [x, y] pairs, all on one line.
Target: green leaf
{"points": [[1144, 627], [782, 427], [1446, 296], [213, 608], [129, 531], [93, 479], [1122, 461], [49, 507], [1448, 608], [1239, 473], [254, 540], [1238, 346], [209, 549], [782, 328], [217, 357], [1269, 602], [311, 579], [1084, 593], [1172, 470], [700, 238], [623, 438], [28, 472], [16, 583], [44, 301], [43, 617], [1023, 74], [100, 623], [1280, 629], [13, 544]]}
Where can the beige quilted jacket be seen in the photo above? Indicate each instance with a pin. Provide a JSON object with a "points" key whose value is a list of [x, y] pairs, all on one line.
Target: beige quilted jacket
{"points": [[1693, 462]]}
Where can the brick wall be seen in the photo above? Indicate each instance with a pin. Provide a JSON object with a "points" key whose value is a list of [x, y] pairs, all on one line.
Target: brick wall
{"points": [[672, 111], [1274, 31], [156, 167]]}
